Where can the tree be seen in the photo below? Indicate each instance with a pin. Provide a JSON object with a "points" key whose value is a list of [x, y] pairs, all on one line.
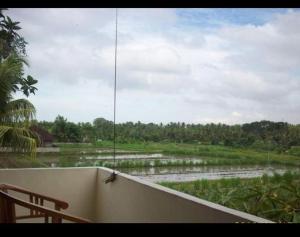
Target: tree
{"points": [[15, 115], [87, 132], [104, 128], [10, 40], [59, 129], [65, 131], [12, 43]]}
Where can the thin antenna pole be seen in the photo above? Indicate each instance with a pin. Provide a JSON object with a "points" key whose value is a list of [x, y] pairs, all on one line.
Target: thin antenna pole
{"points": [[112, 177], [115, 88]]}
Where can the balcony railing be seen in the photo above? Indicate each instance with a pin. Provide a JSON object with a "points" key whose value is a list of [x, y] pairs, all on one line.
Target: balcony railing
{"points": [[127, 199]]}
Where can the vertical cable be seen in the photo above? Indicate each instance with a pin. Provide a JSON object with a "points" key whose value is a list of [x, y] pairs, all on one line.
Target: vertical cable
{"points": [[113, 175], [115, 89]]}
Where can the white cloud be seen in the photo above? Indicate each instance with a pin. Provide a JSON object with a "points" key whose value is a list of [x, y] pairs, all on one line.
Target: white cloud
{"points": [[166, 72], [236, 114]]}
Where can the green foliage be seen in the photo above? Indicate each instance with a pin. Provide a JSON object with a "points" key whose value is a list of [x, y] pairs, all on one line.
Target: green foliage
{"points": [[27, 85], [272, 197], [211, 154], [65, 131], [295, 150], [261, 136], [103, 129], [11, 43], [15, 115], [20, 160], [10, 40]]}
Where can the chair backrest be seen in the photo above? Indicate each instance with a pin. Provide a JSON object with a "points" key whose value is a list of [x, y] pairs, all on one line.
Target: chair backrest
{"points": [[35, 206]]}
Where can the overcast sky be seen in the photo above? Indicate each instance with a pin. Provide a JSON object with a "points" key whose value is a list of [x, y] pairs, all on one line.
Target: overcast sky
{"points": [[188, 65]]}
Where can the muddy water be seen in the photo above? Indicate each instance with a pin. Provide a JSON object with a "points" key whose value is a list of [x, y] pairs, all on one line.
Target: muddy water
{"points": [[178, 174], [124, 157]]}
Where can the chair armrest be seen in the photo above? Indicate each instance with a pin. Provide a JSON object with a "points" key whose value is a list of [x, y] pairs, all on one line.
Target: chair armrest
{"points": [[58, 203], [8, 201]]}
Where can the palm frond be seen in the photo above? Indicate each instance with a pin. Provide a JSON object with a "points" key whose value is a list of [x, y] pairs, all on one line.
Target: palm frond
{"points": [[15, 115], [11, 70], [17, 111], [19, 139]]}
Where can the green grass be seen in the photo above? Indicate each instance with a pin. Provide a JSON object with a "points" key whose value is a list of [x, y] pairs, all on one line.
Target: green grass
{"points": [[75, 145], [220, 153], [295, 151], [9, 160], [275, 197], [211, 154]]}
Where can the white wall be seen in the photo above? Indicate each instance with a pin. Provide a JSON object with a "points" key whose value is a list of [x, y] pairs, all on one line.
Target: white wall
{"points": [[127, 199]]}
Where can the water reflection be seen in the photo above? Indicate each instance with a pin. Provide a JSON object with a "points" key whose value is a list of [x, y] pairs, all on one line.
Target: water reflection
{"points": [[180, 172], [177, 174], [122, 157]]}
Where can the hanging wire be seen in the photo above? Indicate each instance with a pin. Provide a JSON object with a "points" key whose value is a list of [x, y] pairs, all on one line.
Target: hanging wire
{"points": [[113, 175], [115, 87]]}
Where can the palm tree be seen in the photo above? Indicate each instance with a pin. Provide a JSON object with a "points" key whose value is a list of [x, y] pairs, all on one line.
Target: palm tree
{"points": [[15, 115]]}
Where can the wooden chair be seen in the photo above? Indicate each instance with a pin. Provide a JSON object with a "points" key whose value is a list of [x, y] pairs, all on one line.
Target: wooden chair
{"points": [[35, 205]]}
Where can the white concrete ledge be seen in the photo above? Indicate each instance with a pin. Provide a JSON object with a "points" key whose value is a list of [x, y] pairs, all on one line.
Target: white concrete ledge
{"points": [[127, 199]]}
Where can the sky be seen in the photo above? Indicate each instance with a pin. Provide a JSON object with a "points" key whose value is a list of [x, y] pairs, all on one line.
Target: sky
{"points": [[218, 65]]}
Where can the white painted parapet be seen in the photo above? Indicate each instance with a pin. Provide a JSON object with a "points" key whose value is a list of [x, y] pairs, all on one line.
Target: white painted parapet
{"points": [[127, 199]]}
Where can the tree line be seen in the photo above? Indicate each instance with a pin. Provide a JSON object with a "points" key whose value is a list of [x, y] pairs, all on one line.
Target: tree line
{"points": [[262, 134]]}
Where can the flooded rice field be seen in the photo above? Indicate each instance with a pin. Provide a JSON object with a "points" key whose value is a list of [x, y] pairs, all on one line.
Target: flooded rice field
{"points": [[123, 157], [177, 173], [182, 174]]}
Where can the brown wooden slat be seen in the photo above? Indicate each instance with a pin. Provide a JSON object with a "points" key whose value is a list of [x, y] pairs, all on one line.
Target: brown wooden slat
{"points": [[9, 214], [31, 200], [46, 218], [2, 206], [10, 211], [61, 203], [55, 219], [36, 201], [58, 220], [13, 212]]}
